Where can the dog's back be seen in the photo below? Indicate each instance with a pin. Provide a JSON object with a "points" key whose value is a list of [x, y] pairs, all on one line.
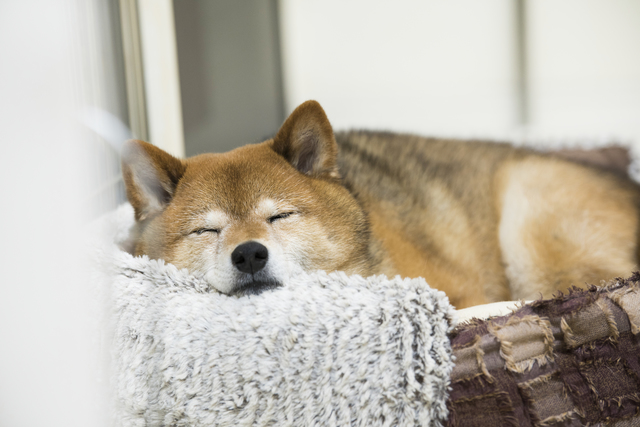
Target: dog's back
{"points": [[486, 221]]}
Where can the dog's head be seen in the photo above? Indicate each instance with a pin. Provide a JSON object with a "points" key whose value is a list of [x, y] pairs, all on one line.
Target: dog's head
{"points": [[248, 219]]}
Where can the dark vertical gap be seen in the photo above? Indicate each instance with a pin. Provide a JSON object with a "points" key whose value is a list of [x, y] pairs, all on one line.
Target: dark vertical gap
{"points": [[230, 65], [108, 191], [141, 96], [275, 11], [118, 194], [118, 62], [192, 68], [521, 40]]}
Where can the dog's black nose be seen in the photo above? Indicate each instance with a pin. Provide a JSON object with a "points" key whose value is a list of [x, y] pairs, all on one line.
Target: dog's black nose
{"points": [[250, 257]]}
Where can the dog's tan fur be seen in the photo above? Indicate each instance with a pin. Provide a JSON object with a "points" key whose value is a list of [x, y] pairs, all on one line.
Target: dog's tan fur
{"points": [[481, 221]]}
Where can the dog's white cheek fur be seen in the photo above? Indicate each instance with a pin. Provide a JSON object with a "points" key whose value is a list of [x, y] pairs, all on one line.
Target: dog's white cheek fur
{"points": [[310, 248], [221, 274], [204, 257]]}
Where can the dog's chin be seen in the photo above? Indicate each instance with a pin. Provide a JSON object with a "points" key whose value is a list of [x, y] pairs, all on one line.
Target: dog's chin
{"points": [[255, 287]]}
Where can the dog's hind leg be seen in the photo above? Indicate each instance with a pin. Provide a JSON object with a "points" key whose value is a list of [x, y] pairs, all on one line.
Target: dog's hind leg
{"points": [[564, 225]]}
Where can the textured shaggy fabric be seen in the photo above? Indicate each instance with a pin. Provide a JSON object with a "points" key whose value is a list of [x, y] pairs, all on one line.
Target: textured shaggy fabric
{"points": [[325, 349], [569, 361]]}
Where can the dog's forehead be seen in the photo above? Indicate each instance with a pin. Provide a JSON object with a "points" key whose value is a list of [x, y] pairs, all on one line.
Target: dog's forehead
{"points": [[240, 182], [265, 207]]}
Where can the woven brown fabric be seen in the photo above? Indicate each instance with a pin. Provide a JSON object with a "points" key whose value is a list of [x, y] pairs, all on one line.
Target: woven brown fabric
{"points": [[570, 361]]}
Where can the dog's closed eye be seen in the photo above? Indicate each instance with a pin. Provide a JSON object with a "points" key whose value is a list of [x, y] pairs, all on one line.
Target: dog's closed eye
{"points": [[200, 231], [283, 215]]}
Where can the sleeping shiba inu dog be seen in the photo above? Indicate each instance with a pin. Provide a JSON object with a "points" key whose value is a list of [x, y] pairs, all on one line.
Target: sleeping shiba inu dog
{"points": [[481, 221]]}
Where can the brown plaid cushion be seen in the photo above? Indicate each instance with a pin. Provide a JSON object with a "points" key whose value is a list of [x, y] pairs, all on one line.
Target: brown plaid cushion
{"points": [[570, 361]]}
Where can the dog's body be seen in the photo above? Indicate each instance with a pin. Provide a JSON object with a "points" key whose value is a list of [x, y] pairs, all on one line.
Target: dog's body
{"points": [[483, 222]]}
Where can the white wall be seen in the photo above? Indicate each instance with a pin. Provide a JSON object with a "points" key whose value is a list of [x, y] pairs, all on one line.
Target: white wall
{"points": [[437, 67]]}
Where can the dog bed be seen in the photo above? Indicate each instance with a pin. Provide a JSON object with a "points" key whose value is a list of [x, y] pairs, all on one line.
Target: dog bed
{"points": [[325, 349]]}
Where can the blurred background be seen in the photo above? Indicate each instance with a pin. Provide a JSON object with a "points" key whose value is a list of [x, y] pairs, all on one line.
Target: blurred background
{"points": [[78, 77]]}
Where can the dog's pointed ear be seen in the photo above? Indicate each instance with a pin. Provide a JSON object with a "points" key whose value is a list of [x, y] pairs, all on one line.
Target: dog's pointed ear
{"points": [[306, 141], [150, 176]]}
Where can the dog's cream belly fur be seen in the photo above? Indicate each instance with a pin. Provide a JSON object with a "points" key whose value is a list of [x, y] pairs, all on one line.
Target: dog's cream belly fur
{"points": [[560, 225]]}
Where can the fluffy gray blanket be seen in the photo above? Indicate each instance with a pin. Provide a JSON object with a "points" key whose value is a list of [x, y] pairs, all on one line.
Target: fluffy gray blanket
{"points": [[325, 349]]}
